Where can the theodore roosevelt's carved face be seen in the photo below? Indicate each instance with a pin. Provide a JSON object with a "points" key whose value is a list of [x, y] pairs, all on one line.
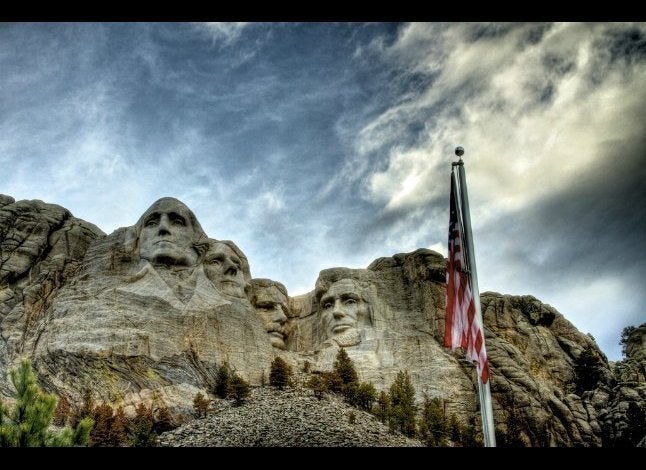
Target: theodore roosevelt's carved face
{"points": [[167, 234], [271, 305]]}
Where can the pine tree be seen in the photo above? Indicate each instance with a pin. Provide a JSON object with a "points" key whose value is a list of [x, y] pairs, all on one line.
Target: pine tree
{"points": [[280, 373], [402, 404], [317, 384], [163, 421], [344, 366], [625, 335], [350, 393], [86, 409], [141, 427], [79, 436], [333, 382], [27, 423], [366, 395], [223, 381], [469, 435], [62, 412], [514, 424], [101, 433], [454, 429], [200, 405], [433, 428], [119, 433], [240, 389], [382, 409], [586, 371]]}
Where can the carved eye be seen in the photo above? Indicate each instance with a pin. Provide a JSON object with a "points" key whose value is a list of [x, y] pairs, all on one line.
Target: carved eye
{"points": [[327, 305], [178, 220], [151, 222], [350, 301]]}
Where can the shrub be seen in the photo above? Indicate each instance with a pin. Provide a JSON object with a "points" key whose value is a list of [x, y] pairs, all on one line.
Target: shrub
{"points": [[200, 405], [280, 373]]}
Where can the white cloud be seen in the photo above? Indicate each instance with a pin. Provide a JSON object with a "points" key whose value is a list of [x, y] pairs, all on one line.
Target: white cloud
{"points": [[519, 149], [440, 248], [273, 201], [226, 33]]}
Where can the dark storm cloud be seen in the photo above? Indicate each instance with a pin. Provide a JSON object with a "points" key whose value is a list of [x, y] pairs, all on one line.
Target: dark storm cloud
{"points": [[603, 217], [594, 226], [589, 234]]}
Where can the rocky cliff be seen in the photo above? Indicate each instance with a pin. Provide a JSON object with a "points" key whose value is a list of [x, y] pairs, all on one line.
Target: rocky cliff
{"points": [[153, 309]]}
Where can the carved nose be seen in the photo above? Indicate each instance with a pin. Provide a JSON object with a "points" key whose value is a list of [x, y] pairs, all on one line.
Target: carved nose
{"points": [[279, 315], [164, 226], [230, 269], [338, 312]]}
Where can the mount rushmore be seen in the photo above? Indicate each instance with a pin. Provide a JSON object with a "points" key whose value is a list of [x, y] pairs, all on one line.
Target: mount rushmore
{"points": [[153, 309]]}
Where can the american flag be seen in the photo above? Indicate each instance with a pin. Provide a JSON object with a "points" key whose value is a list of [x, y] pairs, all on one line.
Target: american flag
{"points": [[462, 328]]}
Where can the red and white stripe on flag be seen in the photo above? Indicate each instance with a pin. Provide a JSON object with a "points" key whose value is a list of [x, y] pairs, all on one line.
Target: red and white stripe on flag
{"points": [[462, 328]]}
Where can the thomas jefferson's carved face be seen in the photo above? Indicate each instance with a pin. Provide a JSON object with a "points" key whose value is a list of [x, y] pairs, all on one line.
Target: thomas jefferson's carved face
{"points": [[224, 268], [342, 310], [167, 234], [271, 305]]}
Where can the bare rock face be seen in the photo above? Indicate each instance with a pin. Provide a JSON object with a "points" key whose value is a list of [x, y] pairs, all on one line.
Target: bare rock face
{"points": [[532, 349], [41, 248], [152, 310]]}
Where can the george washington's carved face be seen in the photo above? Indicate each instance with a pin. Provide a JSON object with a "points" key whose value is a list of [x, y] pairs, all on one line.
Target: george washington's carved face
{"points": [[167, 234]]}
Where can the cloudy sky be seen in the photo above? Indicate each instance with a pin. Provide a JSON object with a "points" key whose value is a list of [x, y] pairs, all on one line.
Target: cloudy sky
{"points": [[318, 145]]}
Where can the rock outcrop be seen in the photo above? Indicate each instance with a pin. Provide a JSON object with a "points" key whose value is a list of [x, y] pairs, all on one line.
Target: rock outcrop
{"points": [[150, 311], [41, 249]]}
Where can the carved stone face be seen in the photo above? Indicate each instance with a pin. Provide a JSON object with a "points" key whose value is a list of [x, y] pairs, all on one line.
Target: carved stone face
{"points": [[271, 305], [342, 310], [167, 234], [224, 268]]}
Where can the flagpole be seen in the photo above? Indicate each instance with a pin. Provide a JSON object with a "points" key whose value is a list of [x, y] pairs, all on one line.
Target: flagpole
{"points": [[484, 390]]}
